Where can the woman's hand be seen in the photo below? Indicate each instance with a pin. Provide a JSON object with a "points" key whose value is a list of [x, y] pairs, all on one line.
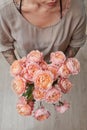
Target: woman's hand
{"points": [[9, 56], [71, 51]]}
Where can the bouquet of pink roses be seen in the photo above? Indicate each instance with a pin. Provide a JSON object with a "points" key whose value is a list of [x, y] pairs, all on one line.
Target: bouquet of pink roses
{"points": [[36, 80]]}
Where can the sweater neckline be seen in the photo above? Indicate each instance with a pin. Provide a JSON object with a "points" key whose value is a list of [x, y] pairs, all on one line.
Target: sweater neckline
{"points": [[35, 26]]}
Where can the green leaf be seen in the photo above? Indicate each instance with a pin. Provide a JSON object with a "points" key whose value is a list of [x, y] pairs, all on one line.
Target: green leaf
{"points": [[29, 92], [24, 94]]}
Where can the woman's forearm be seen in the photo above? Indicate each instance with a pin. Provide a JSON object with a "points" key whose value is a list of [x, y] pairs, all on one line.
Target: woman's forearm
{"points": [[71, 51], [9, 56]]}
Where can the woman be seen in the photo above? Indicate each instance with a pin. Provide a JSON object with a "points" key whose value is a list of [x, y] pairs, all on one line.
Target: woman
{"points": [[45, 25]]}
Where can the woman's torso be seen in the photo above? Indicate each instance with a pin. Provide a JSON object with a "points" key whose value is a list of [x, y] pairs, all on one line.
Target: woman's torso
{"points": [[45, 31], [28, 36]]}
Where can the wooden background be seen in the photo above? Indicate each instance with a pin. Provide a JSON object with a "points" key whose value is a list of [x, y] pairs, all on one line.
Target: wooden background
{"points": [[74, 119]]}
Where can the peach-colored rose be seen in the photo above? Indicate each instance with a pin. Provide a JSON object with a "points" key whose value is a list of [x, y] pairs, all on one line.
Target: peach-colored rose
{"points": [[23, 61], [41, 114], [43, 65], [24, 70], [43, 79], [23, 108], [64, 71], [22, 100], [54, 69], [16, 68], [73, 65], [39, 94], [65, 85], [35, 56], [18, 85], [24, 74], [31, 69], [62, 108], [53, 95], [57, 57]]}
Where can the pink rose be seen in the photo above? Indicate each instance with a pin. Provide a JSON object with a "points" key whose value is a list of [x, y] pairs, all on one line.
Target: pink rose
{"points": [[43, 79], [39, 94], [41, 114], [43, 65], [57, 87], [24, 74], [54, 70], [73, 65], [19, 85], [57, 57], [53, 95], [64, 71], [62, 108], [31, 69], [16, 68], [22, 100], [23, 61], [24, 108], [35, 56], [65, 85]]}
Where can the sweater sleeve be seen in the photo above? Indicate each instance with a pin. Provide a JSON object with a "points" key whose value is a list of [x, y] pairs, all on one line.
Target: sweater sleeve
{"points": [[6, 40], [78, 38]]}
